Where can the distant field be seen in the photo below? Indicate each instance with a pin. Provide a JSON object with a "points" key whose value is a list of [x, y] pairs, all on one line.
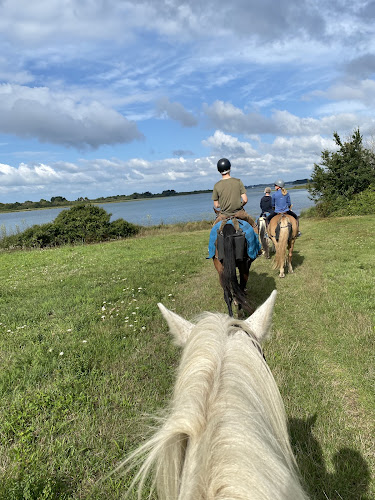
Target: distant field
{"points": [[85, 355]]}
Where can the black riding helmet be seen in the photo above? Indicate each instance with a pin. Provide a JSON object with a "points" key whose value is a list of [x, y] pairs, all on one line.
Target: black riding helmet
{"points": [[223, 166]]}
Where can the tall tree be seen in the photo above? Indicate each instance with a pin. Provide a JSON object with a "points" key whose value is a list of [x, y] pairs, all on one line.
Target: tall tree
{"points": [[343, 173]]}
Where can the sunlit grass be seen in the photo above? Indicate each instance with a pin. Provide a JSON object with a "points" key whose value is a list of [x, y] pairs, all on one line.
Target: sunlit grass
{"points": [[85, 355]]}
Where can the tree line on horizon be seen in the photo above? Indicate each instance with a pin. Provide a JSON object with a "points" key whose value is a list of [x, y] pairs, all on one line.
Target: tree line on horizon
{"points": [[61, 201]]}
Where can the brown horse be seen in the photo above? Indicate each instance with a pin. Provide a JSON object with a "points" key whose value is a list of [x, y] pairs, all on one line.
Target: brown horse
{"points": [[283, 230], [227, 261]]}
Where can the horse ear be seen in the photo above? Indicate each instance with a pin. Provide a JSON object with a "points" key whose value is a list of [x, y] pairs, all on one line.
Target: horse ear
{"points": [[178, 326], [260, 321]]}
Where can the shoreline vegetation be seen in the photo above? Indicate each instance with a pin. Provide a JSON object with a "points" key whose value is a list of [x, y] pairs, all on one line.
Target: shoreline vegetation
{"points": [[62, 202]]}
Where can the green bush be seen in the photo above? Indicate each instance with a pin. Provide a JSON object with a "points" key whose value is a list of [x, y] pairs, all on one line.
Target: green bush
{"points": [[361, 204], [121, 228], [82, 223], [38, 236], [342, 176]]}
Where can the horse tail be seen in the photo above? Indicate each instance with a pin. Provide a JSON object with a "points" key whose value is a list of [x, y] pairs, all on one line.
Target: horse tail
{"points": [[262, 234], [282, 244], [230, 281]]}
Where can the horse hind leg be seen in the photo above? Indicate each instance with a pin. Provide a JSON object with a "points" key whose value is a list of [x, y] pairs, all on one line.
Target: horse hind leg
{"points": [[290, 253], [282, 272]]}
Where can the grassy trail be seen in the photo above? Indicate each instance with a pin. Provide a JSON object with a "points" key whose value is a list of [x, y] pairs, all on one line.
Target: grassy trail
{"points": [[84, 355]]}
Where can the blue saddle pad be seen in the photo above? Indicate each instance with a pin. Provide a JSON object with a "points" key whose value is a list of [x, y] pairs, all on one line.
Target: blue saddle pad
{"points": [[253, 245]]}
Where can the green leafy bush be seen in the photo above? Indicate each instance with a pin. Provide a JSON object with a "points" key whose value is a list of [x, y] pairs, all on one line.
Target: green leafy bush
{"points": [[82, 223], [342, 175], [361, 204], [121, 228]]}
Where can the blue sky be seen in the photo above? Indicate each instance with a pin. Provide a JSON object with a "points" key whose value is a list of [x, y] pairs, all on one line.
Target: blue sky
{"points": [[107, 97]]}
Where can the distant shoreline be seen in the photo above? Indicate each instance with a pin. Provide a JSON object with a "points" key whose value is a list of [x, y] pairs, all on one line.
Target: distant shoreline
{"points": [[121, 199]]}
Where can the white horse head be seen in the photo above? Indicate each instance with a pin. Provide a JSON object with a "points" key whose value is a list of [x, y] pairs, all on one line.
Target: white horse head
{"points": [[225, 435]]}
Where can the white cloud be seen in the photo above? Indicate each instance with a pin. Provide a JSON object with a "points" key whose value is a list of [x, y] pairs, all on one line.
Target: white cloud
{"points": [[175, 111], [361, 92], [227, 145], [309, 145], [232, 119], [57, 118]]}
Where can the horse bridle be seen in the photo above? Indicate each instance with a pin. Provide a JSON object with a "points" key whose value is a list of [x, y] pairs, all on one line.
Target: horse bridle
{"points": [[253, 340]]}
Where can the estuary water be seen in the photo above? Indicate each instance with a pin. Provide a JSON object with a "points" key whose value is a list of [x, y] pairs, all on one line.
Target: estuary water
{"points": [[153, 211]]}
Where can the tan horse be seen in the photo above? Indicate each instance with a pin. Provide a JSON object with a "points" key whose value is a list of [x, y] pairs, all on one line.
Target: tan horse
{"points": [[286, 227]]}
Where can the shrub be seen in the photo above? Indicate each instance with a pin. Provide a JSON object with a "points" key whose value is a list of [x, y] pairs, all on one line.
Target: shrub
{"points": [[38, 236], [342, 175], [120, 228], [83, 223], [361, 204]]}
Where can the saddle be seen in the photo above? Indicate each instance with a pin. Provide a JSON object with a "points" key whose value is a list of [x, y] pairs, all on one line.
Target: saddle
{"points": [[239, 239]]}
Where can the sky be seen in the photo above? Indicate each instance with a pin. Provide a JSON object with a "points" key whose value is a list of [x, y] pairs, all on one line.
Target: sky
{"points": [[111, 97]]}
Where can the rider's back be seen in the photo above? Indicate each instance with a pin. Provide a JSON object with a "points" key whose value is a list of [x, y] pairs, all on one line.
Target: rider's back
{"points": [[228, 192]]}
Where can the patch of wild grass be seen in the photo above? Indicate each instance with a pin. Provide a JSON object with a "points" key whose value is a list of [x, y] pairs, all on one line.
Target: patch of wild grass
{"points": [[322, 355], [85, 355]]}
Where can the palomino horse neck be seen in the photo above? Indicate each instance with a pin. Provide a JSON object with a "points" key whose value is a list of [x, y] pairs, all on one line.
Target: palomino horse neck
{"points": [[285, 244], [225, 435]]}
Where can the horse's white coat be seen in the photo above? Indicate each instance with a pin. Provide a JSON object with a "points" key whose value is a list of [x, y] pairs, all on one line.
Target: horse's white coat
{"points": [[225, 435], [265, 241]]}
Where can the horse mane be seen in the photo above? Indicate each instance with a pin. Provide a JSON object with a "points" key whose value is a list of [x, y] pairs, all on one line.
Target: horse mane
{"points": [[224, 434]]}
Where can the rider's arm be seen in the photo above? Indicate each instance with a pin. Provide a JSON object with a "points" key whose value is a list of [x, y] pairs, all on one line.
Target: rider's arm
{"points": [[216, 204], [244, 199]]}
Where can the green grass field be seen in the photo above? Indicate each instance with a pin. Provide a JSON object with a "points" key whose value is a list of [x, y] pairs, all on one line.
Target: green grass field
{"points": [[85, 356]]}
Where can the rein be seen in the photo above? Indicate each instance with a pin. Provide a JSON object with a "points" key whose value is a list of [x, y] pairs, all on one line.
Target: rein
{"points": [[253, 340]]}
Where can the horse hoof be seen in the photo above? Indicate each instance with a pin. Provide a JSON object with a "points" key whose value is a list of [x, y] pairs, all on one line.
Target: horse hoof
{"points": [[281, 275]]}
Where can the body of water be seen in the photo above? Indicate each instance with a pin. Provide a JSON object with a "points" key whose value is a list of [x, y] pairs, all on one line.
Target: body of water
{"points": [[153, 211]]}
